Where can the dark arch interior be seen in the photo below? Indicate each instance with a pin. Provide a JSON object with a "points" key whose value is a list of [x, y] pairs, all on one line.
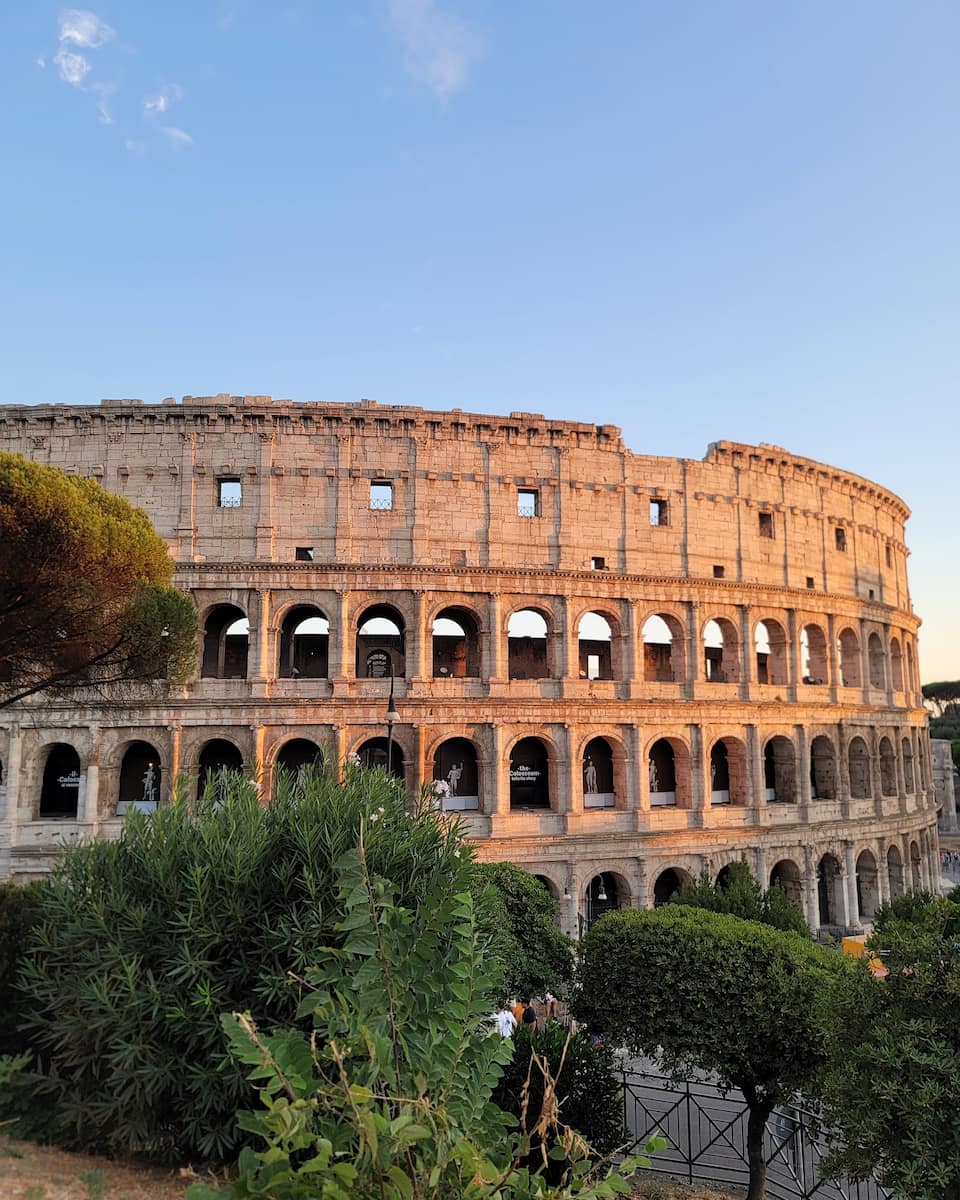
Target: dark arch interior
{"points": [[216, 756], [139, 778], [375, 751], [529, 781], [304, 648], [224, 654], [60, 791], [597, 767], [661, 765], [455, 763], [667, 884], [297, 753], [456, 655]]}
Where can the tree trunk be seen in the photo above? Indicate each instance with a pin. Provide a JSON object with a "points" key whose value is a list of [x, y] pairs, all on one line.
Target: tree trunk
{"points": [[759, 1110]]}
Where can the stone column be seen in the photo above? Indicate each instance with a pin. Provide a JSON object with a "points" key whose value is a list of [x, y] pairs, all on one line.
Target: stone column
{"points": [[811, 898], [628, 637], [496, 637], [873, 745], [636, 649], [794, 667], [901, 773], [418, 657], [833, 658], [852, 906], [173, 766], [755, 771], [631, 768], [692, 646], [569, 794], [340, 642], [843, 770], [416, 775], [263, 636], [14, 769], [883, 874], [864, 662], [698, 782], [804, 792], [498, 774], [558, 642], [748, 662], [642, 773]]}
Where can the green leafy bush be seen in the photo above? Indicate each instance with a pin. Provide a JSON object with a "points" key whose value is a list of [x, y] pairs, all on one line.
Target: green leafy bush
{"points": [[742, 896], [144, 942], [522, 918], [391, 1097], [584, 1084], [18, 915], [912, 908]]}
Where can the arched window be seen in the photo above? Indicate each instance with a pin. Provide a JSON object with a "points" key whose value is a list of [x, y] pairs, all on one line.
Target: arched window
{"points": [[719, 774], [375, 753], [226, 640], [298, 754], [829, 891], [380, 643], [858, 759], [456, 645], [605, 893], [304, 644], [139, 785], [662, 649], [721, 646], [728, 772], [455, 764], [668, 883], [594, 639], [529, 777], [896, 664], [771, 648], [661, 766], [813, 655], [875, 657], [779, 771], [848, 649], [823, 769], [60, 791], [888, 768], [786, 874], [597, 768], [527, 645], [217, 758], [868, 889], [908, 779]]}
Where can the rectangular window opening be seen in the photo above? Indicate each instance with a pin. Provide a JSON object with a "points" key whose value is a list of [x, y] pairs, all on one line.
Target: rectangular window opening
{"points": [[229, 493], [593, 666], [304, 554], [528, 502], [718, 571], [766, 524], [810, 582], [597, 563], [889, 557], [840, 536], [381, 495], [659, 512]]}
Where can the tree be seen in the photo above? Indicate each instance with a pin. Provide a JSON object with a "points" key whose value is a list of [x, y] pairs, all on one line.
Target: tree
{"points": [[85, 595], [741, 895], [943, 695], [703, 991], [892, 1090], [523, 918]]}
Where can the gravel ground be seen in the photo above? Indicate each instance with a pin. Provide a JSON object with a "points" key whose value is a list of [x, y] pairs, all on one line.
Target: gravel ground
{"points": [[31, 1172]]}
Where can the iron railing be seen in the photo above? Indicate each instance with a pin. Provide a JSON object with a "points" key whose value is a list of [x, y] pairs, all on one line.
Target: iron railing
{"points": [[707, 1140]]}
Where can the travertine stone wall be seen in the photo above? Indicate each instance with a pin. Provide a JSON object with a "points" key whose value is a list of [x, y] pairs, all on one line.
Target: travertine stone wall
{"points": [[491, 515]]}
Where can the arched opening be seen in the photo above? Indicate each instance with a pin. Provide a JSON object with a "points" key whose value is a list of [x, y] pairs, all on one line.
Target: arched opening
{"points": [[813, 654], [380, 643], [527, 645], [456, 645], [888, 768], [829, 885], [597, 768], [723, 879], [771, 647], [868, 888], [668, 883], [721, 652], [304, 644], [858, 760], [216, 757], [728, 772], [916, 878], [595, 642], [662, 649], [603, 895], [139, 785], [455, 764], [779, 770], [226, 642], [786, 874], [375, 752], [896, 664], [298, 754], [848, 652], [908, 781], [60, 790], [875, 658], [549, 887], [823, 768], [895, 872], [529, 775], [662, 769]]}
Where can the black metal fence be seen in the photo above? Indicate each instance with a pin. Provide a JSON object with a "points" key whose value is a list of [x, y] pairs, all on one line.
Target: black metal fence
{"points": [[707, 1135]]}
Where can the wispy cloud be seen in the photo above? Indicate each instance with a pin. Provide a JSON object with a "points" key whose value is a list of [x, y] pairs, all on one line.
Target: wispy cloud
{"points": [[40, 61], [160, 101], [73, 68], [179, 139], [83, 28], [103, 92], [439, 50]]}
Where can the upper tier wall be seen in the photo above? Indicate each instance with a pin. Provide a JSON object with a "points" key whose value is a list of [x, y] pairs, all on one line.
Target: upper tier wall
{"points": [[742, 513]]}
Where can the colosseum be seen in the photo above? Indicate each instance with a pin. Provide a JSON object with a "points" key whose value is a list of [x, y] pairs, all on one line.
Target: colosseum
{"points": [[626, 668]]}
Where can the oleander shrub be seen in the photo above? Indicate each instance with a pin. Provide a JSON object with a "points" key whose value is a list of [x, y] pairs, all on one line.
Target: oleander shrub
{"points": [[18, 914], [142, 943]]}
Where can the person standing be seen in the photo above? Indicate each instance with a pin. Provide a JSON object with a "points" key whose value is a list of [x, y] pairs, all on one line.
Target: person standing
{"points": [[530, 1016], [505, 1020]]}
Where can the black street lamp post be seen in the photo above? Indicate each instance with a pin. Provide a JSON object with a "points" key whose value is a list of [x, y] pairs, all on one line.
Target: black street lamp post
{"points": [[392, 715]]}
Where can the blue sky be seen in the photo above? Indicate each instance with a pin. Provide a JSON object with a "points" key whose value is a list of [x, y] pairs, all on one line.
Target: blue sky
{"points": [[693, 220]]}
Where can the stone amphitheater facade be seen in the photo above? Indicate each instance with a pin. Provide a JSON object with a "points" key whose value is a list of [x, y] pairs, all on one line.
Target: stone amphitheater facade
{"points": [[713, 660]]}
